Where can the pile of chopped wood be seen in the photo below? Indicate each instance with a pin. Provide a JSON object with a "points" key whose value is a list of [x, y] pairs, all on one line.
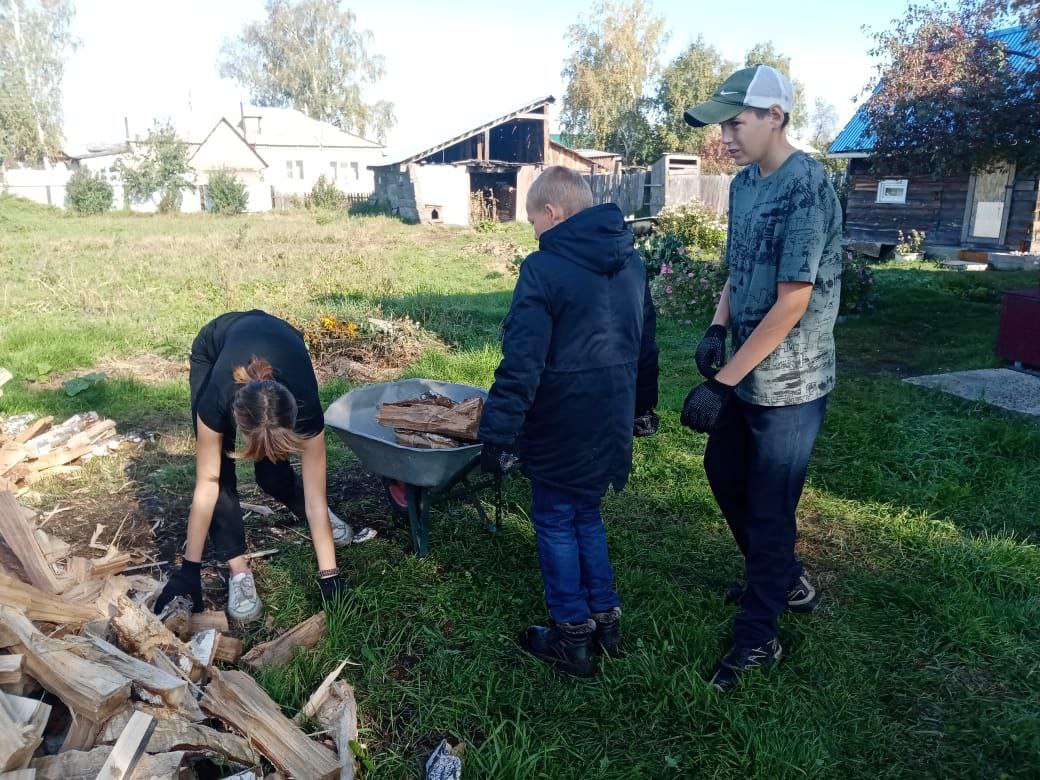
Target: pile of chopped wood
{"points": [[432, 421], [32, 448], [92, 684]]}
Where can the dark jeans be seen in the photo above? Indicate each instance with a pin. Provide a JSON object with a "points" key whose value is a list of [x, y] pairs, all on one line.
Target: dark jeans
{"points": [[572, 551], [227, 532], [756, 462]]}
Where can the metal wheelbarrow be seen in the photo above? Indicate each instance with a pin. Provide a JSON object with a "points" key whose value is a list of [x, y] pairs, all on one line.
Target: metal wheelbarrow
{"points": [[414, 478]]}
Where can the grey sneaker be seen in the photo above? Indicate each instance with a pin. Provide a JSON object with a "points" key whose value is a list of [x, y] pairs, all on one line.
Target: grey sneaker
{"points": [[802, 596], [243, 602], [342, 533]]}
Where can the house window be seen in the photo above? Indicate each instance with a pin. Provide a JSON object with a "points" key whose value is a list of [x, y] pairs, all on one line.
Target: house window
{"points": [[892, 191], [354, 168], [294, 169], [334, 167]]}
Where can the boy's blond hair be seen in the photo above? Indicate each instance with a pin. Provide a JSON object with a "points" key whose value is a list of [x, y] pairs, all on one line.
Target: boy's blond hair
{"points": [[565, 189]]}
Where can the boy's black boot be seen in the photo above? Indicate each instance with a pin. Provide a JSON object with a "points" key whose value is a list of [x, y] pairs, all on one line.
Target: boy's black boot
{"points": [[607, 637], [567, 647]]}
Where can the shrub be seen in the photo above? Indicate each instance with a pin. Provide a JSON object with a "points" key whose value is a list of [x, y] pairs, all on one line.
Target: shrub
{"points": [[225, 194], [326, 195], [659, 249], [697, 226], [88, 193], [373, 207], [858, 291], [688, 290]]}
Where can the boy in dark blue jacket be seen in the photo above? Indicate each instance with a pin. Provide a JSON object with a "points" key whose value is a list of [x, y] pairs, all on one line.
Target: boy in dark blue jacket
{"points": [[579, 362]]}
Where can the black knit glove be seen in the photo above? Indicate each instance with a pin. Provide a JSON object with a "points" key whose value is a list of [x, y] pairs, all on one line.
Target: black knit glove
{"points": [[704, 404], [711, 352], [495, 459], [185, 582], [333, 588], [646, 424]]}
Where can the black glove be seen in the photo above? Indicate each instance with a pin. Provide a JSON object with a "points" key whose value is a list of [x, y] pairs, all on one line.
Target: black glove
{"points": [[185, 582], [711, 352], [646, 424], [334, 587], [495, 459], [703, 404]]}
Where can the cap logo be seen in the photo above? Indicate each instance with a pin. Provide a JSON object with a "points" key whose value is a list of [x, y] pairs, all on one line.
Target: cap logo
{"points": [[724, 92]]}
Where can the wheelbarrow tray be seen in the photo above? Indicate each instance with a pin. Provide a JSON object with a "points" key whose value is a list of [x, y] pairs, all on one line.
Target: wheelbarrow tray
{"points": [[353, 418]]}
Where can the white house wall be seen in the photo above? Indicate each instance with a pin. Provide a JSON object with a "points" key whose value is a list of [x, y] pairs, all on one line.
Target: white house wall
{"points": [[225, 150], [444, 186], [315, 162]]}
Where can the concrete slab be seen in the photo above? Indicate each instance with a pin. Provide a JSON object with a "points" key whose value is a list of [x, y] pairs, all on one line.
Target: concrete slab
{"points": [[1014, 261], [964, 265], [1013, 391]]}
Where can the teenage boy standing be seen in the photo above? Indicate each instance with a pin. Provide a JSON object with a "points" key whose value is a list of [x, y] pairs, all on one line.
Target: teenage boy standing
{"points": [[763, 408]]}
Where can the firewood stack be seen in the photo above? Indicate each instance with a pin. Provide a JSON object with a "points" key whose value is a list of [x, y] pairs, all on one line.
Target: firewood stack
{"points": [[133, 696], [433, 421], [33, 448]]}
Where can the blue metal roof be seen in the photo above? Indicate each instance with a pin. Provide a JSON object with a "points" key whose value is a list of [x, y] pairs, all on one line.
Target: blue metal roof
{"points": [[1023, 51]]}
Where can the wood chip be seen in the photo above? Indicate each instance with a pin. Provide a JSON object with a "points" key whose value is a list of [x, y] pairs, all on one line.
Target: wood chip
{"points": [[129, 748], [21, 539]]}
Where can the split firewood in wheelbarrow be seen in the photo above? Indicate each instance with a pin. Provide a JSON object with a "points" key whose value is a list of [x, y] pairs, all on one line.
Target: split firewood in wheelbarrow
{"points": [[433, 421]]}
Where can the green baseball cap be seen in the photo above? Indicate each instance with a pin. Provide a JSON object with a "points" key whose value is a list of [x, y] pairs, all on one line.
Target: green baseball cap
{"points": [[760, 86]]}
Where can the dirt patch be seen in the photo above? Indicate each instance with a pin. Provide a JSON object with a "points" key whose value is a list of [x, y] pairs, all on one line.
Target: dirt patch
{"points": [[502, 255], [148, 369]]}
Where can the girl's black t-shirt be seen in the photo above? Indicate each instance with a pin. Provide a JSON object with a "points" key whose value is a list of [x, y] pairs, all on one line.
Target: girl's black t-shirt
{"points": [[232, 340]]}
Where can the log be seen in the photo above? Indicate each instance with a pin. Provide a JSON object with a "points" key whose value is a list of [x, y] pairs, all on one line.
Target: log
{"points": [[82, 734], [11, 668], [87, 688], [54, 549], [92, 434], [41, 606], [239, 701], [31, 713], [20, 538], [129, 748], [210, 618], [280, 650], [259, 509], [426, 441], [171, 689], [10, 456], [139, 632], [58, 457], [189, 708], [112, 562], [333, 705], [17, 741], [85, 765], [34, 429], [176, 733], [229, 649], [459, 422], [203, 646], [59, 434]]}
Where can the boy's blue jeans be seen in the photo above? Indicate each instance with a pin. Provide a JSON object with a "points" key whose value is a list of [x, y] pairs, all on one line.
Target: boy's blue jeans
{"points": [[572, 551], [756, 461]]}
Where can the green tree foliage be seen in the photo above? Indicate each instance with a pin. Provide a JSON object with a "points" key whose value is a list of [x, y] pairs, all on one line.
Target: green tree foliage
{"points": [[689, 79], [158, 166], [34, 42], [311, 56], [614, 60], [767, 54]]}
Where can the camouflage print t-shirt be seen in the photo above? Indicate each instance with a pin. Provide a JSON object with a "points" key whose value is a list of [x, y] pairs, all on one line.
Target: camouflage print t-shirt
{"points": [[785, 227]]}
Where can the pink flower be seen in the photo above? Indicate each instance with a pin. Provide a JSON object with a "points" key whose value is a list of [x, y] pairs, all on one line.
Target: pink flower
{"points": [[665, 268], [689, 274], [684, 251], [668, 289], [704, 283]]}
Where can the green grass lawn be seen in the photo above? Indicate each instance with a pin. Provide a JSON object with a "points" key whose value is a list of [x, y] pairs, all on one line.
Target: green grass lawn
{"points": [[920, 519]]}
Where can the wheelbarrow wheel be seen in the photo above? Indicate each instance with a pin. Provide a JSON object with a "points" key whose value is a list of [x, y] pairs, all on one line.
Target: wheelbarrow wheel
{"points": [[397, 496]]}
